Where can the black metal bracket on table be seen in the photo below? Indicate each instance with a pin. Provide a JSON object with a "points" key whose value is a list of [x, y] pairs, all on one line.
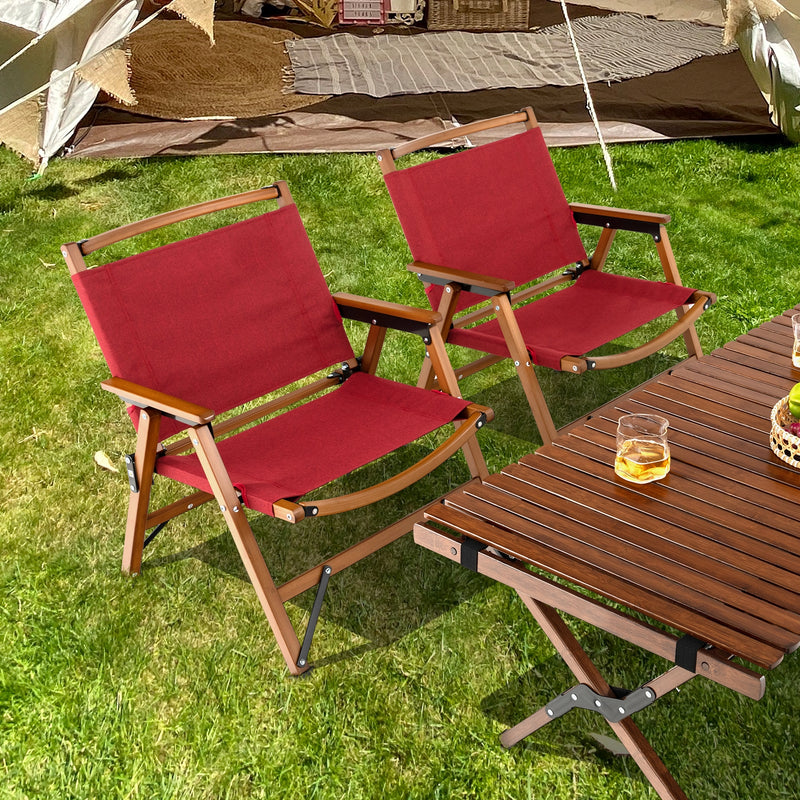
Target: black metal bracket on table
{"points": [[614, 709]]}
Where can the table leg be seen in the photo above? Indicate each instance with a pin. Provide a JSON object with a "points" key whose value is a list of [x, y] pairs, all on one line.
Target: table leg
{"points": [[586, 672]]}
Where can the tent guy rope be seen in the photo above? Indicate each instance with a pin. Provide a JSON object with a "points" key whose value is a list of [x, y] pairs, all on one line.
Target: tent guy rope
{"points": [[589, 101]]}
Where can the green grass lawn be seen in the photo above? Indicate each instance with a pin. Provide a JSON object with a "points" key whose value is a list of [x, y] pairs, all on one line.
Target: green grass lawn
{"points": [[170, 685]]}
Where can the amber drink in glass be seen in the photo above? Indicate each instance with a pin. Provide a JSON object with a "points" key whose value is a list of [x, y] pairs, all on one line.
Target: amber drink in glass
{"points": [[642, 448]]}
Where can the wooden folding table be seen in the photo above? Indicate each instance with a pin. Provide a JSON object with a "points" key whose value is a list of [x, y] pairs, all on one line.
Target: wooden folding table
{"points": [[710, 555]]}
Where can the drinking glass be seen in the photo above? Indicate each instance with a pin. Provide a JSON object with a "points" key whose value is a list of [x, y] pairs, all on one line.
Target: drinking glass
{"points": [[642, 448], [796, 347]]}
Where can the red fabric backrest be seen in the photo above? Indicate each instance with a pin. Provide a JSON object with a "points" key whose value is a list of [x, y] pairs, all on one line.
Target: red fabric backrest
{"points": [[218, 319], [497, 209]]}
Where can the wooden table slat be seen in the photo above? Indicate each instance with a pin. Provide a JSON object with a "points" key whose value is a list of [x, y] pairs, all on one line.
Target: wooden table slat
{"points": [[779, 346], [694, 483], [759, 377], [610, 586], [736, 482], [784, 372], [734, 375], [648, 571], [653, 503], [746, 414], [689, 551], [717, 446], [704, 385]]}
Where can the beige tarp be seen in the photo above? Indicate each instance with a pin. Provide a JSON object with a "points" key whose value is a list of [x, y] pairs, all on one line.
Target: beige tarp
{"points": [[708, 12]]}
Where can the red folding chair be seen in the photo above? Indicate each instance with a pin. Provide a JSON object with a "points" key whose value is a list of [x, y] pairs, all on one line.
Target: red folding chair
{"points": [[486, 222], [208, 324]]}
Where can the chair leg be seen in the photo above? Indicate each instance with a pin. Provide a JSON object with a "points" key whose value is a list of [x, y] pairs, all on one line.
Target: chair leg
{"points": [[139, 501], [527, 376], [670, 266], [247, 546], [586, 672], [427, 376]]}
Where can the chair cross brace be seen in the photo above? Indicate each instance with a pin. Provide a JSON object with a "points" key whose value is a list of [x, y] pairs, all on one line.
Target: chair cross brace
{"points": [[152, 535], [302, 659], [613, 709]]}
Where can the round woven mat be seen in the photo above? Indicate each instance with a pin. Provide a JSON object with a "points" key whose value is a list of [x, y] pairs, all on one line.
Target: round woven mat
{"points": [[177, 74]]}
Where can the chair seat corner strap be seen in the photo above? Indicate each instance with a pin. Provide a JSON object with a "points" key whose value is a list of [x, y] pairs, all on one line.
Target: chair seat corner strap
{"points": [[614, 709], [302, 659]]}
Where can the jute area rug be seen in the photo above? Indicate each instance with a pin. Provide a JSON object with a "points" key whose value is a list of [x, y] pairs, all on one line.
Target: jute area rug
{"points": [[177, 74]]}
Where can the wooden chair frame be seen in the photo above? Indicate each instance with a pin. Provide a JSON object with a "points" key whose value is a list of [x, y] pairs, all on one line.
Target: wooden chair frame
{"points": [[200, 437], [505, 298]]}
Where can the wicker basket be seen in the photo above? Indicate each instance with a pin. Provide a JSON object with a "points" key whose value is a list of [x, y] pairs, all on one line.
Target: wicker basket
{"points": [[478, 15], [785, 445]]}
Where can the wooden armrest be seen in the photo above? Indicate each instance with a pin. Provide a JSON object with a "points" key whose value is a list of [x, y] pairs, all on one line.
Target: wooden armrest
{"points": [[526, 116], [102, 240], [470, 281], [347, 301], [619, 218], [143, 397]]}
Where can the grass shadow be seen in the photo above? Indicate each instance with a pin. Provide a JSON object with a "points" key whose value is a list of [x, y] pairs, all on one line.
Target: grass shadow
{"points": [[382, 598], [579, 733], [568, 396]]}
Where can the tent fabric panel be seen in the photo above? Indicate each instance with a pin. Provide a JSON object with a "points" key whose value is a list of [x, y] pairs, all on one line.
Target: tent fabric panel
{"points": [[261, 272], [598, 308], [292, 454], [771, 49], [506, 192]]}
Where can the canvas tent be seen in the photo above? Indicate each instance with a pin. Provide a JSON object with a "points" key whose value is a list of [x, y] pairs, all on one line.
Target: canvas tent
{"points": [[57, 54], [771, 48]]}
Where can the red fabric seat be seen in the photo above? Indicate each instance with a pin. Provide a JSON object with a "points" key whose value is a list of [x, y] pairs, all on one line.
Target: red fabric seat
{"points": [[305, 448], [598, 308]]}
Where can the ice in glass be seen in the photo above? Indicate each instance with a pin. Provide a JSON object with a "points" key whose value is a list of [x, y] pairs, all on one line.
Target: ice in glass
{"points": [[642, 448]]}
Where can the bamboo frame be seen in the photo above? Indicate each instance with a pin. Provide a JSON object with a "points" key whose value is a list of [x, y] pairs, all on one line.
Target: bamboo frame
{"points": [[456, 281], [199, 437]]}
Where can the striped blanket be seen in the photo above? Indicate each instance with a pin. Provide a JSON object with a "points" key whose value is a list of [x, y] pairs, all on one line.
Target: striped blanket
{"points": [[612, 48]]}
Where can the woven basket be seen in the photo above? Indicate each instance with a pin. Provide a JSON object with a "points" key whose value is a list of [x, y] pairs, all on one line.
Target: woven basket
{"points": [[784, 444], [478, 15]]}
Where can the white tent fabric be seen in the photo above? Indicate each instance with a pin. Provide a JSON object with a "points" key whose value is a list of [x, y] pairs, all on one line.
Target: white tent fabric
{"points": [[771, 49], [62, 35], [55, 55]]}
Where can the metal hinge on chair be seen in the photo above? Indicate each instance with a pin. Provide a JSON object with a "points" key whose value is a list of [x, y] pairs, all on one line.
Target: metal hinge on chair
{"points": [[614, 709], [576, 271], [130, 468], [345, 372]]}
